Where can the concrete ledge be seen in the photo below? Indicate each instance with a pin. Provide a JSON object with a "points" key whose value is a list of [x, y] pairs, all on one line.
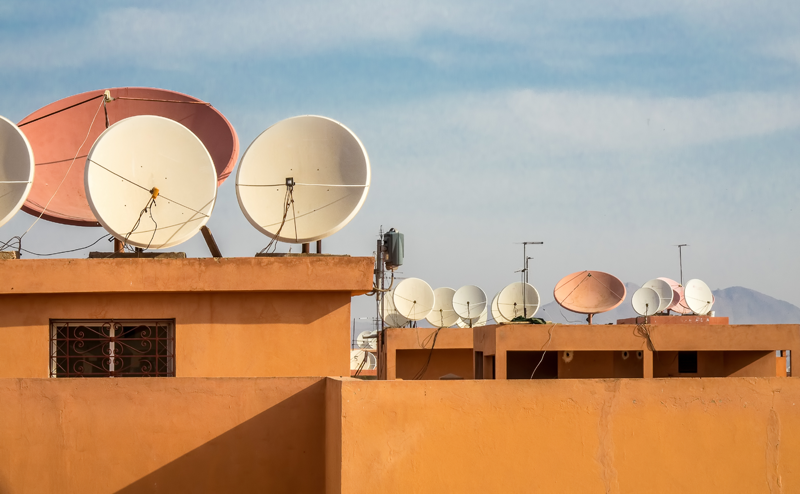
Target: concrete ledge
{"points": [[240, 274]]}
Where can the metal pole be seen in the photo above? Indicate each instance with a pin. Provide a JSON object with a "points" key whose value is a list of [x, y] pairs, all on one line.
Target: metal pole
{"points": [[525, 274], [680, 259]]}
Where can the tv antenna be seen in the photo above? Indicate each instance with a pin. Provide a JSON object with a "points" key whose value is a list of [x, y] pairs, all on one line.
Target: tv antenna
{"points": [[525, 260]]}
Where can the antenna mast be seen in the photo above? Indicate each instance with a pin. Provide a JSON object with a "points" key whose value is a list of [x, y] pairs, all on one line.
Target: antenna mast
{"points": [[525, 259], [680, 258]]}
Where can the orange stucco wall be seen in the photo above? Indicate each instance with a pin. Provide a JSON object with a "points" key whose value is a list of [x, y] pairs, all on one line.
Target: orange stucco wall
{"points": [[216, 334], [139, 435], [723, 350], [627, 435], [233, 317], [402, 352]]}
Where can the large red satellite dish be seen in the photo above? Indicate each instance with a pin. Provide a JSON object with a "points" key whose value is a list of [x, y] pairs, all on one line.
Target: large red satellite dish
{"points": [[589, 292], [57, 130]]}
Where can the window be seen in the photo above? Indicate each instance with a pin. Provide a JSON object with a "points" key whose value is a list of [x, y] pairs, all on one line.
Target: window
{"points": [[112, 348], [687, 362]]}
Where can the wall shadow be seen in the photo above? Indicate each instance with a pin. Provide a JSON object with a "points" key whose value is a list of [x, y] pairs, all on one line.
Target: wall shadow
{"points": [[279, 450]]}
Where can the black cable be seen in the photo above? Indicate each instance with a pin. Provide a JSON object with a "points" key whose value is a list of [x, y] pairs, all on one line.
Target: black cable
{"points": [[63, 109], [288, 201], [644, 332], [67, 251], [424, 368]]}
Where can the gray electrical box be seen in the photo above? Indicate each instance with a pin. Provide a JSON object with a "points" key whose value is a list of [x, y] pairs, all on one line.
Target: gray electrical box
{"points": [[393, 244]]}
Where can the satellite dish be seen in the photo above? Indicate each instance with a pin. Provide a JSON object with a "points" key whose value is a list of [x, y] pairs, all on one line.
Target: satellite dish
{"points": [[16, 169], [413, 299], [391, 317], [132, 159], [303, 179], [496, 315], [443, 315], [359, 357], [518, 299], [680, 307], [645, 301], [664, 291], [469, 302], [589, 292], [65, 130], [676, 297], [367, 340], [698, 297], [481, 321]]}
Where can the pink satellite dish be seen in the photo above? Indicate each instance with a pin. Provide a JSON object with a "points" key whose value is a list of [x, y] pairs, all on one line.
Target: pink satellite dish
{"points": [[64, 131], [589, 292], [678, 305]]}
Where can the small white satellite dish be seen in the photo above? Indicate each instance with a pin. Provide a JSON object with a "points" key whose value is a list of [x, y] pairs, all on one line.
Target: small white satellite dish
{"points": [[359, 357], [664, 291], [303, 179], [414, 299], [443, 315], [367, 340], [518, 299], [153, 163], [16, 169], [481, 321], [698, 297], [496, 315], [391, 317], [469, 302], [645, 301]]}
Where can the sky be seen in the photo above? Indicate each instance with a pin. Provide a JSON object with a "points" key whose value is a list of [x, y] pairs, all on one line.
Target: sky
{"points": [[610, 131]]}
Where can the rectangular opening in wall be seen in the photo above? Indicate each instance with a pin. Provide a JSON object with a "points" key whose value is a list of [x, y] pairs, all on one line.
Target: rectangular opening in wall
{"points": [[521, 365], [687, 362], [478, 365], [112, 348]]}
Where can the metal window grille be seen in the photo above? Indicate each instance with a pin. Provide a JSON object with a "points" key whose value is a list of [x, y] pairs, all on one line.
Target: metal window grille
{"points": [[112, 348]]}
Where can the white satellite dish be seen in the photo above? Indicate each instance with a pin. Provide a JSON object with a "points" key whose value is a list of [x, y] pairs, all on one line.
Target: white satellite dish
{"points": [[16, 169], [664, 291], [391, 317], [481, 321], [359, 357], [496, 315], [469, 302], [303, 179], [645, 301], [443, 315], [698, 297], [143, 160], [413, 299], [518, 299], [367, 340]]}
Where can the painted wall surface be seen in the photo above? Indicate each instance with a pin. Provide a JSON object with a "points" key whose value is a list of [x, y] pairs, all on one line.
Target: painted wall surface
{"points": [[274, 316], [216, 334], [139, 435], [728, 350], [638, 435], [403, 351], [443, 361]]}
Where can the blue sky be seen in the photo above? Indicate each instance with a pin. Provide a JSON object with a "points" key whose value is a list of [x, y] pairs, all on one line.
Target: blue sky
{"points": [[609, 130]]}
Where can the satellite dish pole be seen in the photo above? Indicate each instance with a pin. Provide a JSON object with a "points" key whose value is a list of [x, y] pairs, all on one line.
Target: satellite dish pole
{"points": [[525, 259], [680, 258]]}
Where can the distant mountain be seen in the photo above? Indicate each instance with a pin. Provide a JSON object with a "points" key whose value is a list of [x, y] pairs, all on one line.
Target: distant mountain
{"points": [[741, 305]]}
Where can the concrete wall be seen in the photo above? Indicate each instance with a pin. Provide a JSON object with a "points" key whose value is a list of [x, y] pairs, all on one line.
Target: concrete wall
{"points": [[402, 352], [162, 435], [216, 334], [443, 361], [276, 316], [617, 436]]}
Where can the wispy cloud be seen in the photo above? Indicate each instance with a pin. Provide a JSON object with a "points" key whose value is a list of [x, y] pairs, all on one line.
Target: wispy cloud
{"points": [[159, 34]]}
